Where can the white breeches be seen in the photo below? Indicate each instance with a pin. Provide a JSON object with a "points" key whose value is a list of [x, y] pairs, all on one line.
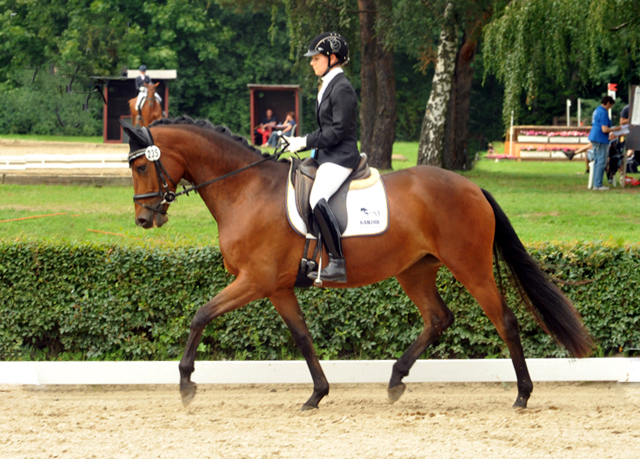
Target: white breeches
{"points": [[142, 94], [329, 178]]}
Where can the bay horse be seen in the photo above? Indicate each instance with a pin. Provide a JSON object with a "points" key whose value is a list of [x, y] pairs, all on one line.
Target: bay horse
{"points": [[150, 110], [437, 218]]}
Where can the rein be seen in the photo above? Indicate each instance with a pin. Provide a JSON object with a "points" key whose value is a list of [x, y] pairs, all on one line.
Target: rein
{"points": [[152, 153]]}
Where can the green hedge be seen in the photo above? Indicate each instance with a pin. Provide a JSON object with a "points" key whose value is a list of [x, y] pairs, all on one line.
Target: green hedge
{"points": [[79, 302]]}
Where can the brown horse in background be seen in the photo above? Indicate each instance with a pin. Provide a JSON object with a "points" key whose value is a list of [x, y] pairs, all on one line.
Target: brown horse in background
{"points": [[150, 110], [431, 212]]}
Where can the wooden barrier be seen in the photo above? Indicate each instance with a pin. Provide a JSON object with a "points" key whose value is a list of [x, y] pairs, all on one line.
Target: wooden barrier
{"points": [[545, 142]]}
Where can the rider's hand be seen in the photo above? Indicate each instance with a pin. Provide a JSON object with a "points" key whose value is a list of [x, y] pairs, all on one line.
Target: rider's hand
{"points": [[296, 144]]}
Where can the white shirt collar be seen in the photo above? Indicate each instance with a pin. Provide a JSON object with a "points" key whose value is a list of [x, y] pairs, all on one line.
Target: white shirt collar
{"points": [[327, 79]]}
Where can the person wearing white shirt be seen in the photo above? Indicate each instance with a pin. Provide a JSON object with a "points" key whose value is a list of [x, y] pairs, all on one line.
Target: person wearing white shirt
{"points": [[335, 143]]}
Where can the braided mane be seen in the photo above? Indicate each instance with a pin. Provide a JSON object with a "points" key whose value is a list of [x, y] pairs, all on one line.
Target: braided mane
{"points": [[206, 124]]}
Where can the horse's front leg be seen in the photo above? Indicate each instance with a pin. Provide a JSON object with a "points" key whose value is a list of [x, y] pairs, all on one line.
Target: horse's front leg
{"points": [[234, 296], [286, 304]]}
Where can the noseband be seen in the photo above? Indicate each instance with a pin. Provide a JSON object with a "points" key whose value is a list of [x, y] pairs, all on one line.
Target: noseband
{"points": [[152, 153]]}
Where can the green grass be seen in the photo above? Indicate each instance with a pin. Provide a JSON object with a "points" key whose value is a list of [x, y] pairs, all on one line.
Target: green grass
{"points": [[408, 150], [549, 201], [546, 201], [52, 138], [108, 209]]}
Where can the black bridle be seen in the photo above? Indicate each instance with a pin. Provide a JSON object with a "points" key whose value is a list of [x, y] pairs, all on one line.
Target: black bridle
{"points": [[152, 153]]}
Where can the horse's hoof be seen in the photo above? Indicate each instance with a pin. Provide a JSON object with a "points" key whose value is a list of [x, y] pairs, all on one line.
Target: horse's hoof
{"points": [[396, 392], [188, 392], [306, 407], [521, 402]]}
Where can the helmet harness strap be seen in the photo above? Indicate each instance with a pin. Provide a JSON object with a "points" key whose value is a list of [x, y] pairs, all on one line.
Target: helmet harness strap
{"points": [[330, 65]]}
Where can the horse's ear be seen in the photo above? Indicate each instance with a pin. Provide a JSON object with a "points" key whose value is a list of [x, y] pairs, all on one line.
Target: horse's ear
{"points": [[125, 126], [130, 130], [135, 134]]}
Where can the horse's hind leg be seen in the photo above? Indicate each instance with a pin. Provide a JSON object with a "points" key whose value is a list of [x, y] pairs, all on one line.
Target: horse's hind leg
{"points": [[286, 304], [419, 282], [479, 280], [494, 306]]}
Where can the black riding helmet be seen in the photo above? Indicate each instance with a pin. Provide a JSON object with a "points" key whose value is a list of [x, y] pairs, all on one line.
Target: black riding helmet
{"points": [[329, 43]]}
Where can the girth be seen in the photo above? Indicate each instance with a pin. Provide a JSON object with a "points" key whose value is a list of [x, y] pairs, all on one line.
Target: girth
{"points": [[303, 174]]}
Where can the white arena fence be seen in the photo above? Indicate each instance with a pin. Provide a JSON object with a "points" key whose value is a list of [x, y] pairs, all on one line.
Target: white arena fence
{"points": [[296, 372], [66, 161]]}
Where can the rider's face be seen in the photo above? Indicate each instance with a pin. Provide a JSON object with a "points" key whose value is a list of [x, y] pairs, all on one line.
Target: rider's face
{"points": [[319, 64]]}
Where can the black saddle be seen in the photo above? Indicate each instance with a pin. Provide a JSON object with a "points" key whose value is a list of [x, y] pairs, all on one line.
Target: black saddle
{"points": [[303, 174]]}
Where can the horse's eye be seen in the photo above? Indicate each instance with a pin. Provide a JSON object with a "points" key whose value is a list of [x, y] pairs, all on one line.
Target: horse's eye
{"points": [[141, 169]]}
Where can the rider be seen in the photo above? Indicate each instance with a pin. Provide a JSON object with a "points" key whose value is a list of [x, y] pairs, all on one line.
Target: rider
{"points": [[335, 143], [142, 89]]}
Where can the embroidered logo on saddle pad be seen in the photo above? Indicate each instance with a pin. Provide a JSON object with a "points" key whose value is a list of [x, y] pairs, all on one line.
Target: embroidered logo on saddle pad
{"points": [[360, 205]]}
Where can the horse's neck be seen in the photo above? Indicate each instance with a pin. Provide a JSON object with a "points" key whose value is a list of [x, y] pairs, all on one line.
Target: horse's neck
{"points": [[208, 161]]}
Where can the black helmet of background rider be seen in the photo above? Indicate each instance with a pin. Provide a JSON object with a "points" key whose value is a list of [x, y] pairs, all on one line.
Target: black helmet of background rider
{"points": [[329, 43]]}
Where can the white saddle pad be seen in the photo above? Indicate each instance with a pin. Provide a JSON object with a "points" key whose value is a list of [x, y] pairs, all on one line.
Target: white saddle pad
{"points": [[367, 208]]}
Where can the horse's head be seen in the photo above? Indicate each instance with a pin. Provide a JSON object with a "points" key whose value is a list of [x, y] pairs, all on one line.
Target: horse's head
{"points": [[155, 176], [151, 90]]}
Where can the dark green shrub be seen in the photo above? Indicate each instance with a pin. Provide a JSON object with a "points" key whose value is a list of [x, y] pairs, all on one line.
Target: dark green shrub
{"points": [[77, 302]]}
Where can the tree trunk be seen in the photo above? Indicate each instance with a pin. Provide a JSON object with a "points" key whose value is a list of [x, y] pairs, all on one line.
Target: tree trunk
{"points": [[378, 86], [367, 74], [455, 155], [432, 132], [384, 132]]}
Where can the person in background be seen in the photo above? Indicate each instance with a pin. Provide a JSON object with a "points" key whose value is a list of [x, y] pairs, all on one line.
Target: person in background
{"points": [[335, 143], [266, 126], [632, 163], [286, 128], [599, 138], [624, 115]]}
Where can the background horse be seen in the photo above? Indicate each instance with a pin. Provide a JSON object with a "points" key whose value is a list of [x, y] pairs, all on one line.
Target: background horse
{"points": [[437, 218], [150, 110]]}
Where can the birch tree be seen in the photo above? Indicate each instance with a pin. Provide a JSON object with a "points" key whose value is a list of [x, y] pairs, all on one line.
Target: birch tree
{"points": [[433, 125]]}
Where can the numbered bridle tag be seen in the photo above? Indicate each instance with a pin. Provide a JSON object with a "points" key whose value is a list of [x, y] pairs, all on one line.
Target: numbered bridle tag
{"points": [[152, 153]]}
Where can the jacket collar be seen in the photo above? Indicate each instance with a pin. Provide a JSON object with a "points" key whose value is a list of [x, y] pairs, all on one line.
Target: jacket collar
{"points": [[337, 77]]}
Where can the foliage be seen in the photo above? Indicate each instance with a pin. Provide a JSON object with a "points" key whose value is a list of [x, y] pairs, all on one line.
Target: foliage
{"points": [[87, 301], [217, 52], [532, 44], [218, 48], [413, 88], [41, 106]]}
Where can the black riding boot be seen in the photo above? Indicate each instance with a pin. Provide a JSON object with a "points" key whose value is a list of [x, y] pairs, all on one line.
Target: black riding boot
{"points": [[336, 270]]}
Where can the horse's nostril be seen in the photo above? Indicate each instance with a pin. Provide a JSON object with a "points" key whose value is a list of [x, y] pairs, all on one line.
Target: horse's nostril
{"points": [[141, 221]]}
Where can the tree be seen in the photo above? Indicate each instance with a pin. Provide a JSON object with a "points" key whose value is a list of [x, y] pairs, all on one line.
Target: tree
{"points": [[526, 50], [471, 18], [378, 109], [432, 133], [445, 129]]}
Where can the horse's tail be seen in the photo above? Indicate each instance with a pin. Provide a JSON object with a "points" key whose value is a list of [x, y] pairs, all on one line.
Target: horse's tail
{"points": [[551, 308]]}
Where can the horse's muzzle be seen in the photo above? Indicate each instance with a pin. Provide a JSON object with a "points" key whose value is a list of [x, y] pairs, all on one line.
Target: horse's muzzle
{"points": [[149, 219]]}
